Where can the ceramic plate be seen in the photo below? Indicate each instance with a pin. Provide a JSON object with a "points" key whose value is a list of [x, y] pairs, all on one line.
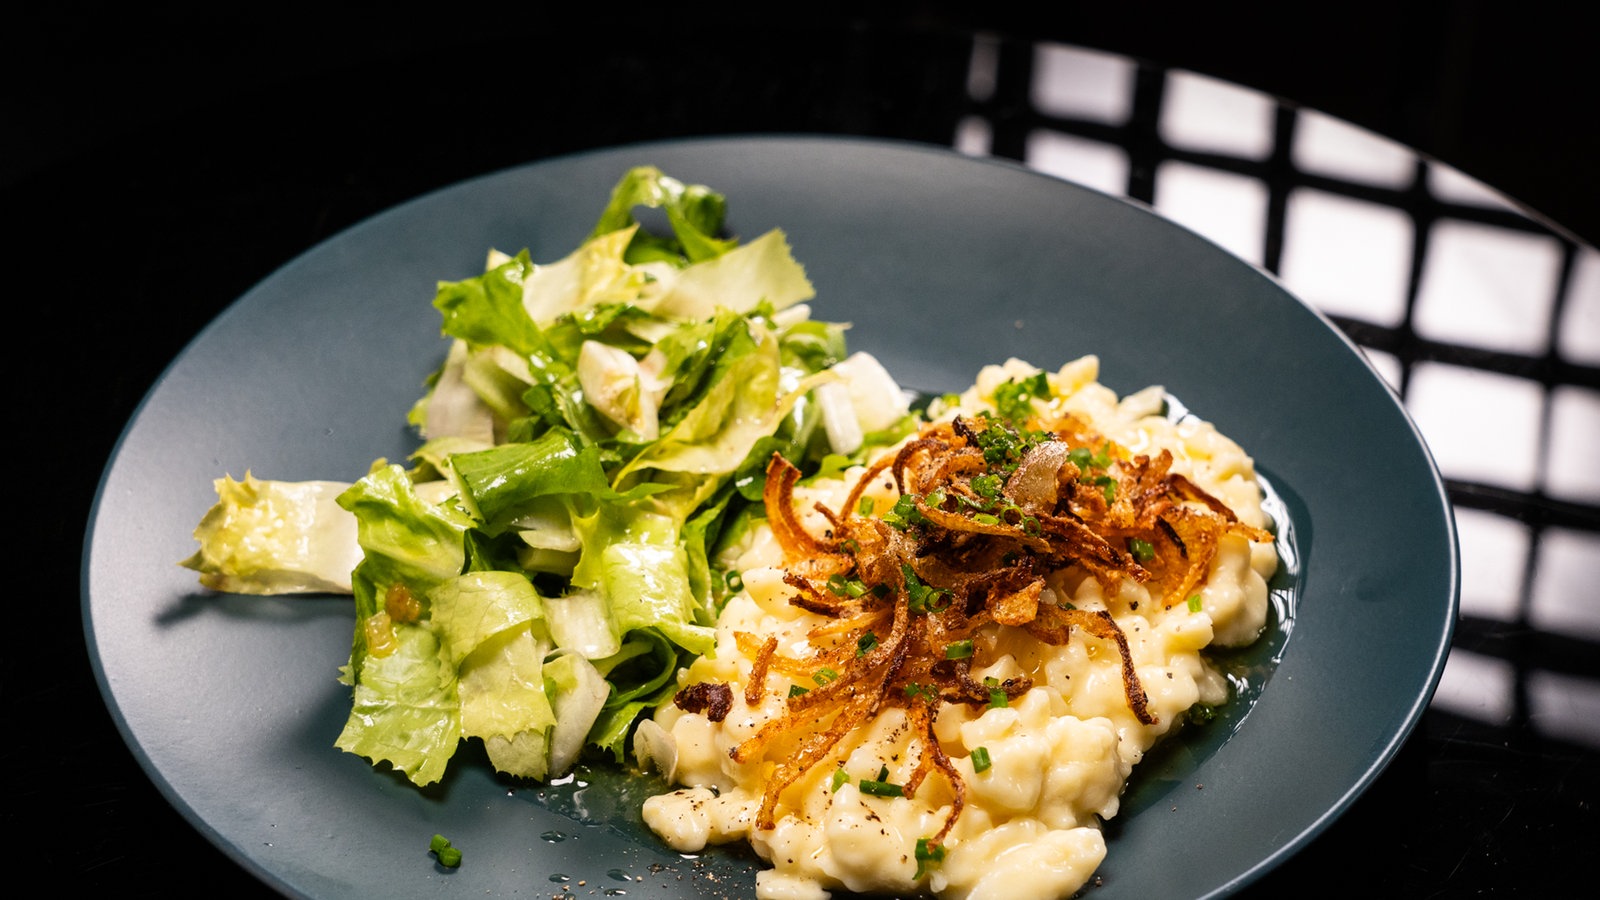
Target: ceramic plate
{"points": [[942, 263]]}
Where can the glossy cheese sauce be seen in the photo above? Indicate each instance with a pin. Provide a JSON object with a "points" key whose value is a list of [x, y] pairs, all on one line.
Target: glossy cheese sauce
{"points": [[1058, 756]]}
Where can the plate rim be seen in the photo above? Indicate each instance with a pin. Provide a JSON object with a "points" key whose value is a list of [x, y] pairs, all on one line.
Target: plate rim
{"points": [[1377, 764]]}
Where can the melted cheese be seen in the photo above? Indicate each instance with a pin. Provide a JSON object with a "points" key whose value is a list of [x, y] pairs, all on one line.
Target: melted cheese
{"points": [[1060, 754]]}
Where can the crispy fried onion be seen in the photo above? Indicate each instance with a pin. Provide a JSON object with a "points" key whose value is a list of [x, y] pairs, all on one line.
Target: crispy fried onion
{"points": [[986, 511]]}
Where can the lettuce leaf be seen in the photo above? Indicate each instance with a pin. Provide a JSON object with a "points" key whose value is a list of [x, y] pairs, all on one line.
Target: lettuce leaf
{"points": [[634, 559], [405, 710], [505, 481], [405, 539], [489, 309], [539, 577], [763, 271], [469, 610], [694, 211], [276, 537]]}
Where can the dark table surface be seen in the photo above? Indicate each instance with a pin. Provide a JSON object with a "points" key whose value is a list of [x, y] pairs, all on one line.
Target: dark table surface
{"points": [[159, 163]]}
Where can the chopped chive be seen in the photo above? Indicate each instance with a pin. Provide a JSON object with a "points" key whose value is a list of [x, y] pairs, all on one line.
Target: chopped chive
{"points": [[1194, 603], [1141, 549], [986, 486], [840, 776], [980, 759], [986, 519], [997, 694], [904, 512], [866, 506], [915, 690], [958, 649], [1003, 446], [448, 856], [734, 581], [924, 598], [796, 690], [840, 586], [928, 856], [881, 788], [883, 773], [911, 514], [866, 643], [824, 675], [1014, 399]]}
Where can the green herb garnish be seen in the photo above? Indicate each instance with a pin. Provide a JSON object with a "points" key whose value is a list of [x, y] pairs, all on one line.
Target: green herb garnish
{"points": [[448, 856], [924, 598], [980, 759], [1014, 399], [997, 694], [928, 856], [866, 643], [881, 788]]}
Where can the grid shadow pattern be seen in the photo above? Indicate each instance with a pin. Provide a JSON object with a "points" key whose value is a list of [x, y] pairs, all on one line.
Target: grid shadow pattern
{"points": [[1125, 123]]}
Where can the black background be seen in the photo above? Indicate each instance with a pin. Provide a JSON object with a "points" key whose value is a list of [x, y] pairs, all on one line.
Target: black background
{"points": [[159, 160]]}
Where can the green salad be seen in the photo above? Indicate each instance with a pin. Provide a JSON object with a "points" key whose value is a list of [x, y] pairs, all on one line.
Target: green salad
{"points": [[542, 565]]}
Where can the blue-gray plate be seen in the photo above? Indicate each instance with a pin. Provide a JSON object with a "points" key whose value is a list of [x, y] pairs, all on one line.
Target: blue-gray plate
{"points": [[942, 263]]}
